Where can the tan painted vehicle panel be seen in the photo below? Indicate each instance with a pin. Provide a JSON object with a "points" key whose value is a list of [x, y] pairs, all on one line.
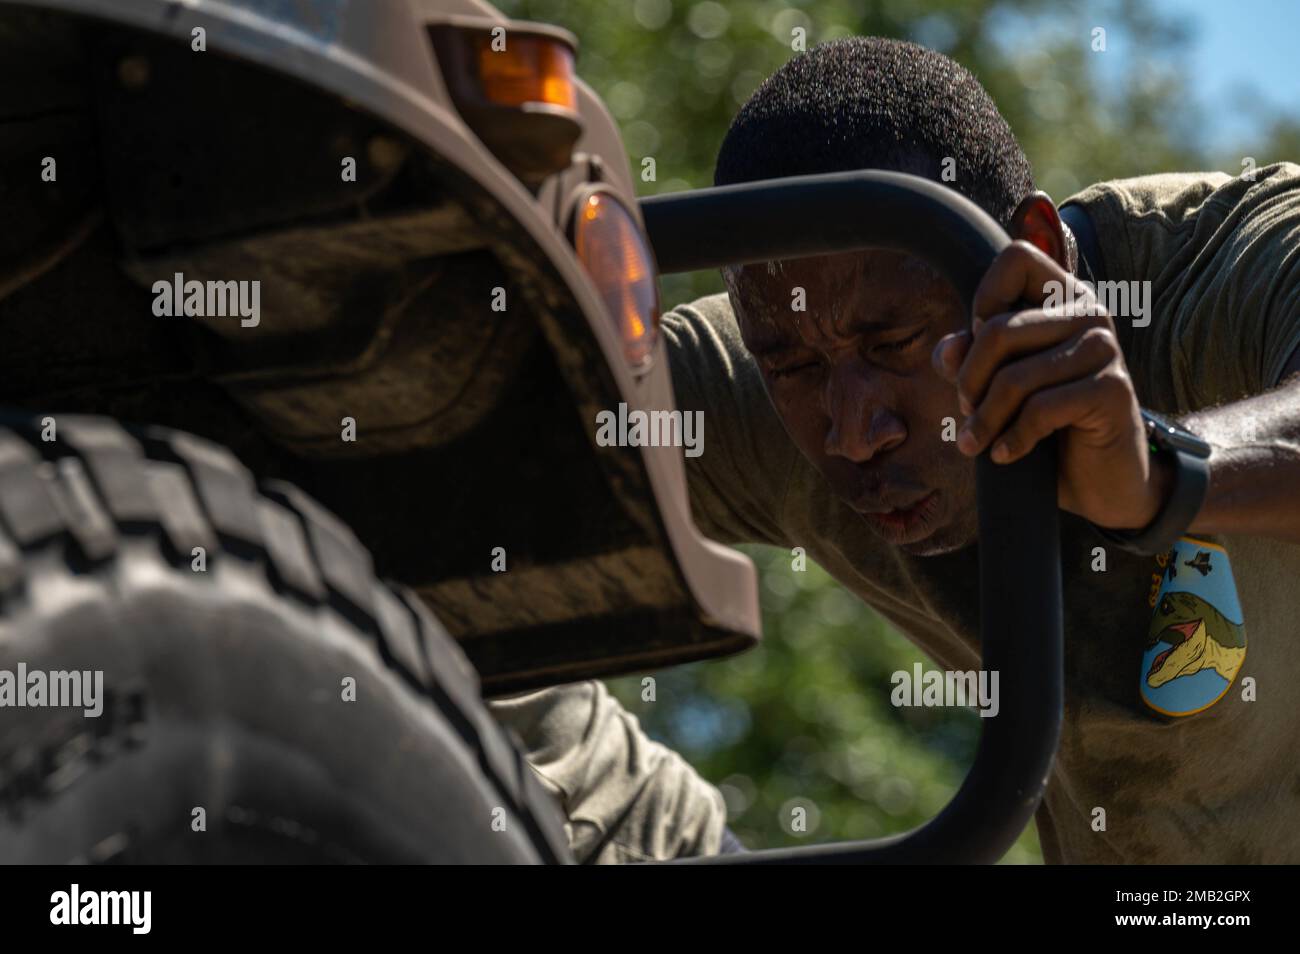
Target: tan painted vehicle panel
{"points": [[474, 429]]}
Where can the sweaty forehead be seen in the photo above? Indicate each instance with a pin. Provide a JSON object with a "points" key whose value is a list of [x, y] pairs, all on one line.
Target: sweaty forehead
{"points": [[867, 285]]}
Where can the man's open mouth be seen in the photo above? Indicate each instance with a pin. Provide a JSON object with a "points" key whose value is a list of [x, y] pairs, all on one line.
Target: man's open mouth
{"points": [[1184, 630]]}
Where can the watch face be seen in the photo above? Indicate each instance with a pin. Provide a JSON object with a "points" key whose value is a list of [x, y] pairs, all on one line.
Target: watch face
{"points": [[1166, 435]]}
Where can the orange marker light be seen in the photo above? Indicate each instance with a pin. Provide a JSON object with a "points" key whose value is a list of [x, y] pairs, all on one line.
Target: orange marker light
{"points": [[531, 69], [614, 250]]}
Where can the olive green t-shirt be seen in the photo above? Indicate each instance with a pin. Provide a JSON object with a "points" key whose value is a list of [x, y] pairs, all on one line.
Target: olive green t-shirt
{"points": [[1223, 257]]}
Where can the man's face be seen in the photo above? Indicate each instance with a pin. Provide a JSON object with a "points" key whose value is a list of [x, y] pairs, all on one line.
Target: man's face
{"points": [[852, 380]]}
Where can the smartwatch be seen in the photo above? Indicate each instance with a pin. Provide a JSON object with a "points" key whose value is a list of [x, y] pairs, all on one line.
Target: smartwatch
{"points": [[1189, 456]]}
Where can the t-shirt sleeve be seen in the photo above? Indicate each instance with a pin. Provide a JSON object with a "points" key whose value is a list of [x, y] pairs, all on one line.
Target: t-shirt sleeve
{"points": [[1225, 265], [625, 797], [738, 482]]}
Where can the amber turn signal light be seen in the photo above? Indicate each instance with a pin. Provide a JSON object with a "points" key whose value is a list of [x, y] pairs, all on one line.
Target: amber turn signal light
{"points": [[616, 254], [526, 69], [514, 84]]}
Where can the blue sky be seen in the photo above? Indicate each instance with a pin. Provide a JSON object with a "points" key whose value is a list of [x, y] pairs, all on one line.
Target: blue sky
{"points": [[1240, 62], [1244, 61]]}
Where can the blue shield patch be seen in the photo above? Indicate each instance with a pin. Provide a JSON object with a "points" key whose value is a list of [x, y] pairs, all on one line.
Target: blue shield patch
{"points": [[1196, 642]]}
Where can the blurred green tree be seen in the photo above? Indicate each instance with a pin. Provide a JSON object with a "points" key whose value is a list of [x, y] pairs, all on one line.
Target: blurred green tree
{"points": [[805, 719], [674, 73]]}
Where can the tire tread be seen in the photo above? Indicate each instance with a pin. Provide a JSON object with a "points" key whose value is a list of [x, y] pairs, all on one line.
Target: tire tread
{"points": [[99, 482]]}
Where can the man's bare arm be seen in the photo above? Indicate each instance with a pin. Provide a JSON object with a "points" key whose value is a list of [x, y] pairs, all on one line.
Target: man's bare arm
{"points": [[1255, 466]]}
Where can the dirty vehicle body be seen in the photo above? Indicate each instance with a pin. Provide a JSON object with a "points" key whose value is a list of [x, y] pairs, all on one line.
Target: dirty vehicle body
{"points": [[414, 382], [422, 376]]}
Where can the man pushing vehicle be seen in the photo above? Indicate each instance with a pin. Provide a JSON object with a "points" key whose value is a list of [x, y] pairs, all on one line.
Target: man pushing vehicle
{"points": [[846, 396]]}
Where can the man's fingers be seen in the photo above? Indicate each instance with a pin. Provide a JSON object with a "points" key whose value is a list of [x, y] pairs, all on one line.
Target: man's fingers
{"points": [[1046, 412], [1008, 336], [1014, 385], [1019, 274], [1091, 404], [949, 353]]}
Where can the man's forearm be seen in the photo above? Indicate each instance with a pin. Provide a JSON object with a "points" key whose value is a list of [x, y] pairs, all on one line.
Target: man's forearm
{"points": [[1254, 467]]}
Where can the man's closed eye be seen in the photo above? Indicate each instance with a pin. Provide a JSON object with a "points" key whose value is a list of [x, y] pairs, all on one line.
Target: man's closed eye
{"points": [[902, 344], [795, 368]]}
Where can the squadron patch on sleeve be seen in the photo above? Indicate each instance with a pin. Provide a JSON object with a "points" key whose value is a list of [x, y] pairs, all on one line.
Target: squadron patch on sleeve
{"points": [[1197, 639]]}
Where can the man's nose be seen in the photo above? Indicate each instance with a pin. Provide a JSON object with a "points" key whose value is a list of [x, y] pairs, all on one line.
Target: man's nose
{"points": [[862, 424]]}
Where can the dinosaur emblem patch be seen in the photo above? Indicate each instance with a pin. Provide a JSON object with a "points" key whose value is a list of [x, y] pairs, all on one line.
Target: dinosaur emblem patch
{"points": [[1196, 642]]}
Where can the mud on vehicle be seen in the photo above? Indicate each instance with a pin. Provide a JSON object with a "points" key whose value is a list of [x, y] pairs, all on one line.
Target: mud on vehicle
{"points": [[299, 297], [296, 298]]}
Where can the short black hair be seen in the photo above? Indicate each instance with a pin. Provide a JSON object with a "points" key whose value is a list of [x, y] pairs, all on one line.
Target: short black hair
{"points": [[877, 103]]}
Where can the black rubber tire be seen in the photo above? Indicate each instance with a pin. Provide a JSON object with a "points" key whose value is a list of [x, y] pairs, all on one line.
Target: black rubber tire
{"points": [[223, 688]]}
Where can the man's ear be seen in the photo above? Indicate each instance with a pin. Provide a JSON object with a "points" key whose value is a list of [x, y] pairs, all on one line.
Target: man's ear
{"points": [[1037, 222]]}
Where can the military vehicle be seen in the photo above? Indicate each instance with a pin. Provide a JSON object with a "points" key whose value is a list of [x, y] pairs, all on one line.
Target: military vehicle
{"points": [[309, 310]]}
